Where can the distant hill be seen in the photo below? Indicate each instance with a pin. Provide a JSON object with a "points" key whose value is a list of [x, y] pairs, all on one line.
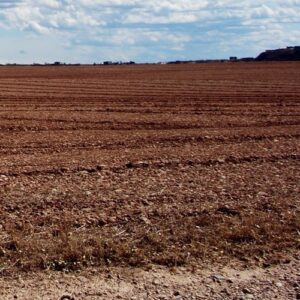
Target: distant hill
{"points": [[289, 53]]}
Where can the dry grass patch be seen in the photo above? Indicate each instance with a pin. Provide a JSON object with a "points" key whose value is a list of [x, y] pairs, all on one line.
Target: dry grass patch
{"points": [[208, 236]]}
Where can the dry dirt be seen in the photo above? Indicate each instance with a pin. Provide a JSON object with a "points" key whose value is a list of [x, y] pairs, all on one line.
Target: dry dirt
{"points": [[181, 172], [230, 282]]}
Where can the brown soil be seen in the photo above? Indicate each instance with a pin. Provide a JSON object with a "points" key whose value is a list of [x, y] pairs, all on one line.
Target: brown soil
{"points": [[230, 282], [132, 166]]}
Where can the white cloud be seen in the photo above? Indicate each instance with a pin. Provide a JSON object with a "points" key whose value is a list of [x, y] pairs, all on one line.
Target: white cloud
{"points": [[156, 25]]}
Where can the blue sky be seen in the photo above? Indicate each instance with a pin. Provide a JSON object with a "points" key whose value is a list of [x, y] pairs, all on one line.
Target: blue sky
{"points": [[90, 31]]}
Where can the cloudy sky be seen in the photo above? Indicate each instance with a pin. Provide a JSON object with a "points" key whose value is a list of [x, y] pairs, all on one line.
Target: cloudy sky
{"points": [[90, 31]]}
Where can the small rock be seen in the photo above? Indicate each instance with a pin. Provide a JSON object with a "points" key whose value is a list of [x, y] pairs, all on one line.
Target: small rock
{"points": [[217, 278], [262, 194], [101, 222], [296, 284], [112, 219], [145, 202], [229, 280], [83, 279], [155, 281], [145, 220], [225, 291], [246, 291], [279, 284], [141, 164], [249, 296], [66, 297]]}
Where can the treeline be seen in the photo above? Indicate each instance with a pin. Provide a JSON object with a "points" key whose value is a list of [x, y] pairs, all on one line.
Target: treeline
{"points": [[284, 54]]}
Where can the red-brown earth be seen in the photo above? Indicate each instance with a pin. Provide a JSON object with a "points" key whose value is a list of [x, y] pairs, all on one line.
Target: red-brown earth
{"points": [[137, 166]]}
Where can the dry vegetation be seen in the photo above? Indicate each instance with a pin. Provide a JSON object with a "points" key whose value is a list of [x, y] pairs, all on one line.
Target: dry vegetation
{"points": [[134, 165]]}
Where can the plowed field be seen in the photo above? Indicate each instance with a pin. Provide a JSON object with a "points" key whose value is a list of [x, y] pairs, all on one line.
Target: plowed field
{"points": [[137, 165]]}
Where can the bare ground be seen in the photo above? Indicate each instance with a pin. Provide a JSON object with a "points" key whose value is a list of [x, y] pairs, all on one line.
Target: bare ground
{"points": [[126, 168], [231, 282]]}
